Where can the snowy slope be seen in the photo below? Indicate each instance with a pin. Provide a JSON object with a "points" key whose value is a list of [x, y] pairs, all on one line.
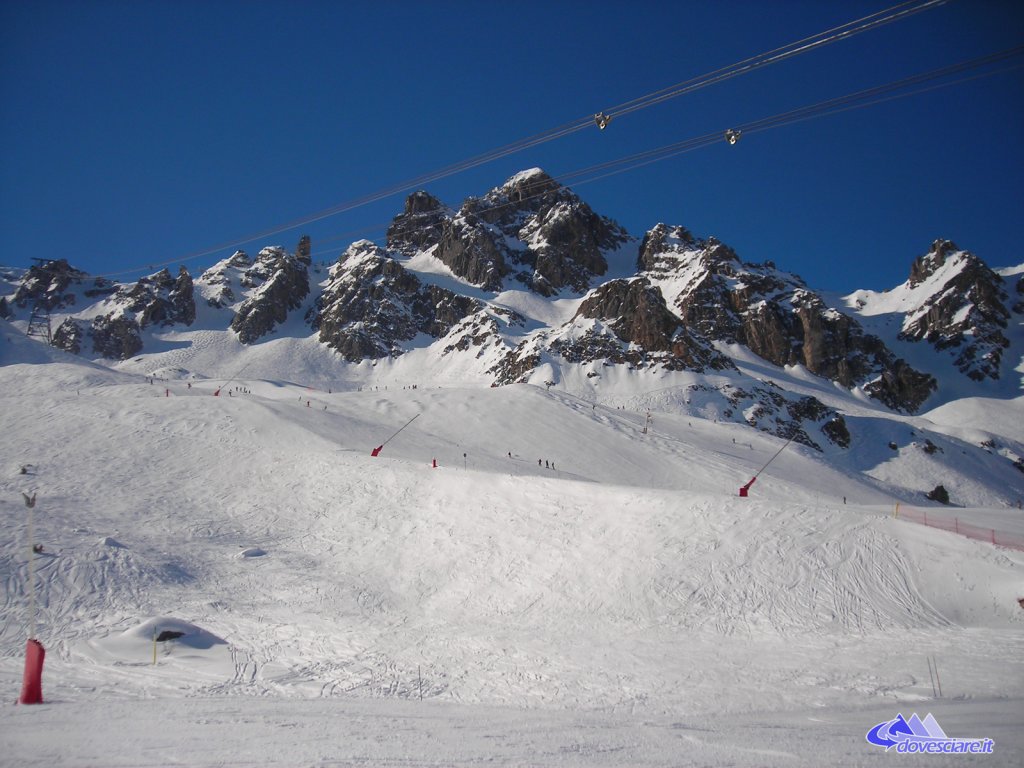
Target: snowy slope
{"points": [[620, 607]]}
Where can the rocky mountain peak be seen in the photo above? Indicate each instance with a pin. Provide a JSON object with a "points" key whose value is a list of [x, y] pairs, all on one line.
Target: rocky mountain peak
{"points": [[925, 266], [962, 308], [529, 191], [531, 230], [421, 225], [279, 283]]}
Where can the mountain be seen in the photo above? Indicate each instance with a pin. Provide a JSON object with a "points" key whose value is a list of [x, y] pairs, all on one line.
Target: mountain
{"points": [[527, 284]]}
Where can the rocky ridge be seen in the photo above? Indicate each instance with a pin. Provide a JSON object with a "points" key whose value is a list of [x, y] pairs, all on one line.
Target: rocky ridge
{"points": [[687, 302], [775, 315], [116, 322], [964, 309], [371, 304]]}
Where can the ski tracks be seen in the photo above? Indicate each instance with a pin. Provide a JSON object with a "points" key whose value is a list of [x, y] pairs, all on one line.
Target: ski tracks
{"points": [[780, 579]]}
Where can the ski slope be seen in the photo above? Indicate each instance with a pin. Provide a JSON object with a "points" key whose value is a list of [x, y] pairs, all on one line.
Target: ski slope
{"points": [[619, 606]]}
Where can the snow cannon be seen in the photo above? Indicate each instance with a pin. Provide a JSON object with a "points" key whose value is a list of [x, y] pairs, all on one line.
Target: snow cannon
{"points": [[380, 447], [32, 683], [745, 488]]}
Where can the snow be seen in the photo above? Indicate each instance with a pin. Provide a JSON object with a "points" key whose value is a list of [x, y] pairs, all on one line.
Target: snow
{"points": [[907, 298], [522, 176], [621, 607]]}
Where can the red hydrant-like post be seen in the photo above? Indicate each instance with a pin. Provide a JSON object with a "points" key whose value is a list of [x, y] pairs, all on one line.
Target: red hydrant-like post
{"points": [[32, 682]]}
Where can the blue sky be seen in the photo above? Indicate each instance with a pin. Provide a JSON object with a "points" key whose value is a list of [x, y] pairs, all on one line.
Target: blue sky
{"points": [[138, 133]]}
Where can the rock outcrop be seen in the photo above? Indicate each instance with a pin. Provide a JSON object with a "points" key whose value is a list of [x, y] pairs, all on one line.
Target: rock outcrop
{"points": [[279, 283], [372, 304], [775, 315], [160, 299], [531, 230], [157, 300], [47, 284], [963, 309]]}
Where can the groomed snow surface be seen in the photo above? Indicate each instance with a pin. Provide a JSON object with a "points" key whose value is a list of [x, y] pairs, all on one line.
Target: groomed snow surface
{"points": [[618, 606]]}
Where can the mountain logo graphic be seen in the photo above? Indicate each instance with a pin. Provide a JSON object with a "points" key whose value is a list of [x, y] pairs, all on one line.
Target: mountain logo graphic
{"points": [[915, 735]]}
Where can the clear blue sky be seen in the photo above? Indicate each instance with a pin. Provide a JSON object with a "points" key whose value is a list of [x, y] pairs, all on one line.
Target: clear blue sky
{"points": [[137, 133]]}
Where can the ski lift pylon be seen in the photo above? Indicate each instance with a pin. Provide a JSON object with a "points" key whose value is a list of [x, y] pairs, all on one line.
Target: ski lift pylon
{"points": [[602, 120]]}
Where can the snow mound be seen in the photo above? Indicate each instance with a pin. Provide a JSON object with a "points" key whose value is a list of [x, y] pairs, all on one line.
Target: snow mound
{"points": [[174, 373], [250, 552], [184, 633]]}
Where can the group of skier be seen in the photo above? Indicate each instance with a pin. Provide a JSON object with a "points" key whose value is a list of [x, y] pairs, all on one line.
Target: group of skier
{"points": [[540, 462]]}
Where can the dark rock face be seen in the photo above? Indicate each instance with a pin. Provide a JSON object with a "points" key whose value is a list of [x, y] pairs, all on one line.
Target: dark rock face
{"points": [[48, 284], [420, 226], [635, 311], [160, 299], [774, 314], [622, 322], [69, 336], [116, 338], [156, 300], [181, 299], [530, 229], [901, 387], [473, 250], [304, 250], [965, 312], [518, 364], [373, 303], [281, 282], [5, 311]]}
